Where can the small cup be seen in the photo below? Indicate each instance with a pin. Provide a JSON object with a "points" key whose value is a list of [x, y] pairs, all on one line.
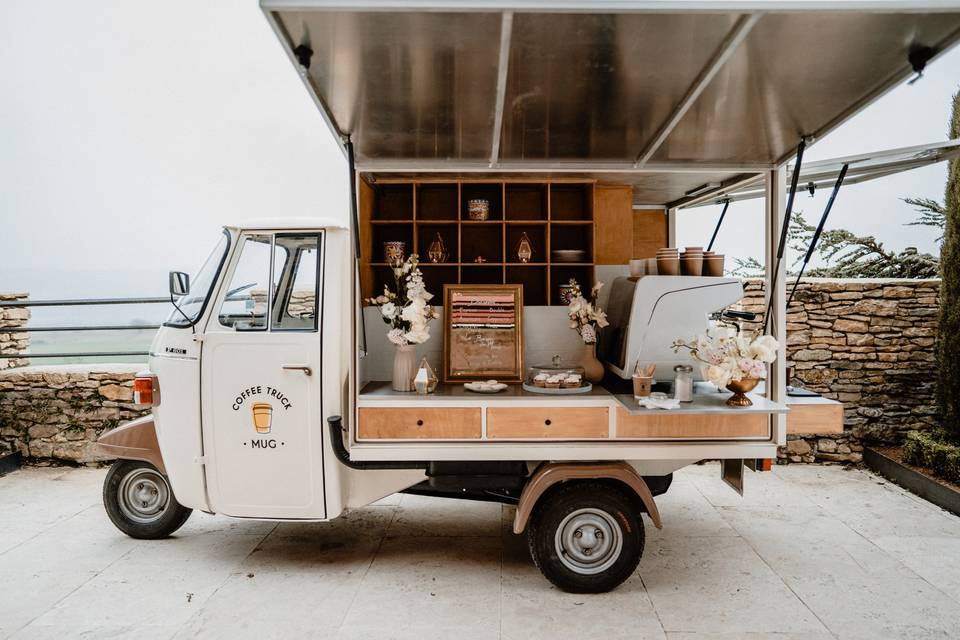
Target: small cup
{"points": [[668, 266], [638, 268], [642, 386]]}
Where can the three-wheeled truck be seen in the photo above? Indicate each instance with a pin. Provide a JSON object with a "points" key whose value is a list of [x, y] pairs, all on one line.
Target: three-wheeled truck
{"points": [[585, 127]]}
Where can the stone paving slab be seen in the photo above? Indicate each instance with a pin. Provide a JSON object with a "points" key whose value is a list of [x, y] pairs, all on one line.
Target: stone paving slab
{"points": [[809, 552]]}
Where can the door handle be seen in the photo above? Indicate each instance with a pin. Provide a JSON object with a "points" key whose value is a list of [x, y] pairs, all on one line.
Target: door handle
{"points": [[298, 367]]}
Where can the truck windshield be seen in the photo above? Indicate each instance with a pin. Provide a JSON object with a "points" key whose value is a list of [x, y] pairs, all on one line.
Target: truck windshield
{"points": [[193, 303]]}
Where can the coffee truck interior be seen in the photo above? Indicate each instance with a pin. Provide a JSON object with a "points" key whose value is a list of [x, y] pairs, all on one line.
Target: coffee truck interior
{"points": [[587, 127]]}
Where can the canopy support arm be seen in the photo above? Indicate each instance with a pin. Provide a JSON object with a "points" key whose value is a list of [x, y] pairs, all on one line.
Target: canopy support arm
{"points": [[506, 33], [726, 203], [720, 57], [816, 234], [785, 229]]}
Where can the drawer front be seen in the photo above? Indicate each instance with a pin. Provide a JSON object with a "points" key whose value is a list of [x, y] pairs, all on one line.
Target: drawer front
{"points": [[553, 422], [430, 423], [667, 426]]}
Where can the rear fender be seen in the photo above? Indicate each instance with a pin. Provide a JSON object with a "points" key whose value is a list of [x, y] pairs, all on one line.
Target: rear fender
{"points": [[552, 473], [135, 440]]}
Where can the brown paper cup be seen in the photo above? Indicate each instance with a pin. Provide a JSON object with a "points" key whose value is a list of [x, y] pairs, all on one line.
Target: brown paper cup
{"points": [[642, 386], [262, 416]]}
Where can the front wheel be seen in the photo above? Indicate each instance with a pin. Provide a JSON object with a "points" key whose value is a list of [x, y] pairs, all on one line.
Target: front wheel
{"points": [[586, 538], [140, 502]]}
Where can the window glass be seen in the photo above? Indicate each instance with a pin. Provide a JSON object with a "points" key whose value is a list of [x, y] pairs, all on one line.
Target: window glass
{"points": [[295, 307], [192, 304], [244, 306]]}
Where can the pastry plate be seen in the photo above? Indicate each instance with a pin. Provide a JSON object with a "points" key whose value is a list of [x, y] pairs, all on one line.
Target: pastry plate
{"points": [[483, 387], [557, 392]]}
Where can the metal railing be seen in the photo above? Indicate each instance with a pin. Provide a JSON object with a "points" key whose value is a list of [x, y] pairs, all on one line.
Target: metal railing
{"points": [[79, 302]]}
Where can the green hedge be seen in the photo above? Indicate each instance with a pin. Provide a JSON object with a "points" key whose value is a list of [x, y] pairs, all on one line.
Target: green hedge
{"points": [[925, 450]]}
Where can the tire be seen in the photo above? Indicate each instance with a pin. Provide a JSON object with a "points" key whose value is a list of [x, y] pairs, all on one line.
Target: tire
{"points": [[586, 538], [140, 502]]}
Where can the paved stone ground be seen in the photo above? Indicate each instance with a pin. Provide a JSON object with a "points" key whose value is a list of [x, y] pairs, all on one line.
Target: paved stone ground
{"points": [[810, 552]]}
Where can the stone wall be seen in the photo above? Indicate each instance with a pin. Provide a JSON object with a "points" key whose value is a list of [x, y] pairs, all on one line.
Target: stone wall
{"points": [[11, 342], [57, 412], [868, 344]]}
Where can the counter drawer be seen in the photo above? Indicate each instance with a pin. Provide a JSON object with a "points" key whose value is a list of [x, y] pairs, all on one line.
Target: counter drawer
{"points": [[679, 426], [548, 422], [429, 423]]}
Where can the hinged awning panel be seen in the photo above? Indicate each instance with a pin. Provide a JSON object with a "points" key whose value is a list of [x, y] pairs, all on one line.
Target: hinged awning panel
{"points": [[598, 87]]}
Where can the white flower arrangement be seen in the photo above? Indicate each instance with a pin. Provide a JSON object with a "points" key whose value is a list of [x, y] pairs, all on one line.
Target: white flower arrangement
{"points": [[586, 316], [406, 311], [727, 356]]}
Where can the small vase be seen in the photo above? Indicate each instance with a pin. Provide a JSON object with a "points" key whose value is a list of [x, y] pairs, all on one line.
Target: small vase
{"points": [[404, 367], [740, 390], [592, 368]]}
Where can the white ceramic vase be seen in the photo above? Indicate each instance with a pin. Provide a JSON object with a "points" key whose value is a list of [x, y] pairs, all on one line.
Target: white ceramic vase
{"points": [[404, 367]]}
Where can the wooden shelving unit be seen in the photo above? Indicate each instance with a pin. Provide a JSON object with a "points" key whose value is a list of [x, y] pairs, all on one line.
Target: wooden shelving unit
{"points": [[554, 215]]}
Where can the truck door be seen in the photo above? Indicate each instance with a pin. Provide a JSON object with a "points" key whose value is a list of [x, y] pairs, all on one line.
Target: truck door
{"points": [[260, 380]]}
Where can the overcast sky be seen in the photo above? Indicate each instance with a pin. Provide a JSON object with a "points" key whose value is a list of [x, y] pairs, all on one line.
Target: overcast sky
{"points": [[132, 131]]}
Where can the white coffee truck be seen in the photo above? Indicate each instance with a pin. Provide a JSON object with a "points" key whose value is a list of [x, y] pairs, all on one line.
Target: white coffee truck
{"points": [[585, 126]]}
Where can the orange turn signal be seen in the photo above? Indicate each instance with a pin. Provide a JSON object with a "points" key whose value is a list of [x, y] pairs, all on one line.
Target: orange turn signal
{"points": [[146, 390]]}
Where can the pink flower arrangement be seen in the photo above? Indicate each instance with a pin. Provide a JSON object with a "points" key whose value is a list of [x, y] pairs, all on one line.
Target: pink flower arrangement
{"points": [[726, 356]]}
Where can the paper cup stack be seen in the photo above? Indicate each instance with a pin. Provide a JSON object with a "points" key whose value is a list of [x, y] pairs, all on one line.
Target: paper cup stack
{"points": [[668, 262], [713, 264], [691, 261]]}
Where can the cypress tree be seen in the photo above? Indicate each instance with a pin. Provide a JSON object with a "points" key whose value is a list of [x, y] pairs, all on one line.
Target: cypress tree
{"points": [[948, 325]]}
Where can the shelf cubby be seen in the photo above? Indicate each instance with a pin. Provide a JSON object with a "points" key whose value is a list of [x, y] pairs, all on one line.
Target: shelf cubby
{"points": [[438, 201], [481, 274], [525, 201], [393, 202], [490, 191], [538, 240], [571, 201], [449, 233], [383, 233], [561, 274], [484, 240], [534, 281]]}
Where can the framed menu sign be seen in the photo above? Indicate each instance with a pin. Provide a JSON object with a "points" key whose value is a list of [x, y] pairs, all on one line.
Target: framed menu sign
{"points": [[483, 332]]}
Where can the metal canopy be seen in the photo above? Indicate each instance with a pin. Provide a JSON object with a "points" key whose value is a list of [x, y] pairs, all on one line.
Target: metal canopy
{"points": [[823, 173], [640, 90]]}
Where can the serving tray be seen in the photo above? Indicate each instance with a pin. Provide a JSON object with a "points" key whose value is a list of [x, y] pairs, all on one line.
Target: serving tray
{"points": [[557, 392]]}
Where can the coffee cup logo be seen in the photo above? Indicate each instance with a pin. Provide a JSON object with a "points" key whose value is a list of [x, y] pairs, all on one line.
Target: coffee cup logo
{"points": [[262, 416]]}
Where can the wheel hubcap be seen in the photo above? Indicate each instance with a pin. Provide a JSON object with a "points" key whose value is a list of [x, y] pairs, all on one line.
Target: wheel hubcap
{"points": [[143, 495], [588, 541]]}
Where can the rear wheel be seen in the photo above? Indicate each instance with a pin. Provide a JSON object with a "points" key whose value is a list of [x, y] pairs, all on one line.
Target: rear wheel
{"points": [[586, 538], [140, 502]]}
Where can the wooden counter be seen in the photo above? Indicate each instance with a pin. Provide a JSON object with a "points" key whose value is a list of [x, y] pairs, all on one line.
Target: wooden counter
{"points": [[454, 414]]}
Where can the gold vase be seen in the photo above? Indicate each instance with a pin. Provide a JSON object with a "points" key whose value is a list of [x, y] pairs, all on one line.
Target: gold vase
{"points": [[740, 390]]}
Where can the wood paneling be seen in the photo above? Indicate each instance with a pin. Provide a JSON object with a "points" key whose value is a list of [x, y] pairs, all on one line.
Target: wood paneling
{"points": [[664, 425], [548, 422], [427, 423], [612, 213], [815, 416], [649, 232], [365, 210]]}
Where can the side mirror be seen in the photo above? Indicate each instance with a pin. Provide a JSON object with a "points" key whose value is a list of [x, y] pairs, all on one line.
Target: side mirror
{"points": [[179, 284]]}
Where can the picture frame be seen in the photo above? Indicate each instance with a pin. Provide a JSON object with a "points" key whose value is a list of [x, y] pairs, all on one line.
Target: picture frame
{"points": [[483, 332]]}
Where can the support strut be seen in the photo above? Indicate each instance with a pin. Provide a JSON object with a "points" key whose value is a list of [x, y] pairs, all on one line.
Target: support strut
{"points": [[816, 234], [726, 203], [785, 229]]}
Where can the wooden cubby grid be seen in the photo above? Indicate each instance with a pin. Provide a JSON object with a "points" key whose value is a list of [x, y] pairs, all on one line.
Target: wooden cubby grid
{"points": [[413, 210]]}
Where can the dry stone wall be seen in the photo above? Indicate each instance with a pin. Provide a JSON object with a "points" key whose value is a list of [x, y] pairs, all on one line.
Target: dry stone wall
{"points": [[868, 344], [58, 412], [13, 342]]}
